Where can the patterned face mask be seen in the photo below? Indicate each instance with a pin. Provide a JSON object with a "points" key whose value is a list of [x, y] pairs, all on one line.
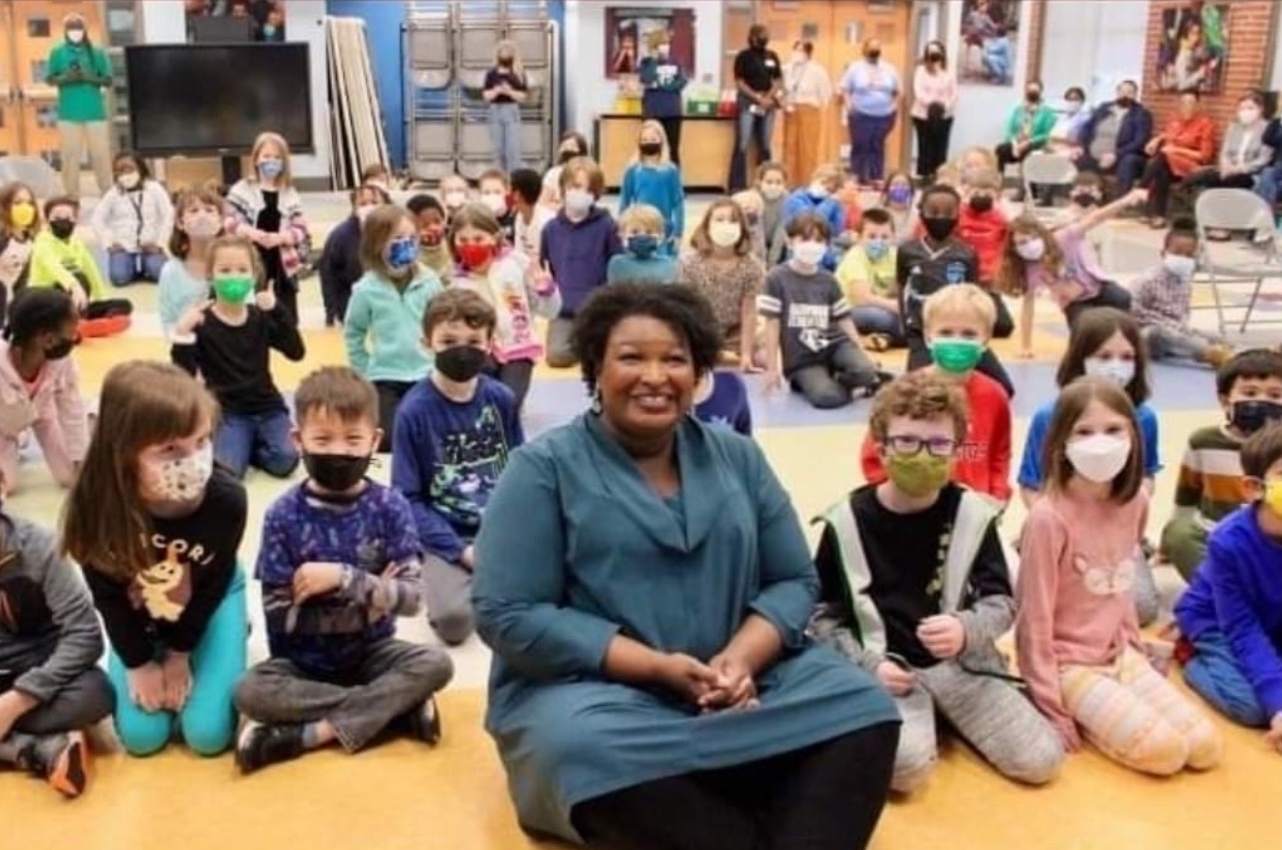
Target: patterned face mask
{"points": [[180, 479]]}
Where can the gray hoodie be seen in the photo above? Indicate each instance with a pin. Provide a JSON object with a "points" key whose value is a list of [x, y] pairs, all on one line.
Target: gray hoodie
{"points": [[47, 652]]}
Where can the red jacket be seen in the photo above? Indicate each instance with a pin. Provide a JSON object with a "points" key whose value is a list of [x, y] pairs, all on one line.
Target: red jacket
{"points": [[986, 234], [982, 462]]}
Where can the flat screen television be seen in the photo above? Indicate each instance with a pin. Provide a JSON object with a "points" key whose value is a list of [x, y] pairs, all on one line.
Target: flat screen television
{"points": [[214, 99]]}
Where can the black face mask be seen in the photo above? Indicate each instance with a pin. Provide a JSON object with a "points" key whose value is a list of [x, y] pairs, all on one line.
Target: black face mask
{"points": [[566, 156], [1126, 102], [872, 55], [650, 148], [1250, 416], [336, 472], [1033, 96], [60, 350], [981, 203], [1085, 199], [461, 363], [62, 227], [758, 43], [939, 227], [506, 62]]}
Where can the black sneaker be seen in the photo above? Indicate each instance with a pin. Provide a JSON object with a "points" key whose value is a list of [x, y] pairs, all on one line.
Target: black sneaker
{"points": [[61, 760], [423, 722], [260, 745]]}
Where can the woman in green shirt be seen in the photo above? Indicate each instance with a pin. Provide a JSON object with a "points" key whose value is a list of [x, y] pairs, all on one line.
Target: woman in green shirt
{"points": [[81, 71]]}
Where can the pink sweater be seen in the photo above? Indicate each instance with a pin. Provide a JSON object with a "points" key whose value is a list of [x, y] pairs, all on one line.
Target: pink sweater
{"points": [[53, 408], [1076, 605], [931, 88]]}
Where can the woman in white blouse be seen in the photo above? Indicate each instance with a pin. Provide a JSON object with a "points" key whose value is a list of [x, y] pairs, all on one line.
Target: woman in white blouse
{"points": [[808, 96], [934, 99]]}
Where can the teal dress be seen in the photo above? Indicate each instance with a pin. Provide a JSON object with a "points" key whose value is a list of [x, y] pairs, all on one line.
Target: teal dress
{"points": [[575, 548]]}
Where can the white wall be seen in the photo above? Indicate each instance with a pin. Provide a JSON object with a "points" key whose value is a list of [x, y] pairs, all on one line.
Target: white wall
{"points": [[1094, 44], [588, 91], [165, 22]]}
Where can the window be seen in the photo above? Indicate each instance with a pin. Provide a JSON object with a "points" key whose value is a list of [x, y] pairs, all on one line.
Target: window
{"points": [[37, 27]]}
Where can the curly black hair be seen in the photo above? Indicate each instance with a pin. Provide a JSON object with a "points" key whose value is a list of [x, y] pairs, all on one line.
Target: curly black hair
{"points": [[37, 310], [681, 308]]}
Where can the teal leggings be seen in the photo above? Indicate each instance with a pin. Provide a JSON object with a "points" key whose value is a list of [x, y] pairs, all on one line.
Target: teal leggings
{"points": [[208, 720]]}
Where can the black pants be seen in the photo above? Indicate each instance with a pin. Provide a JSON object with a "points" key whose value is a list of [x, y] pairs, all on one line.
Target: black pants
{"points": [[1004, 326], [390, 394], [104, 308], [1006, 155], [1210, 178], [672, 128], [516, 376], [1159, 179], [1110, 295], [932, 145], [825, 797], [335, 294], [919, 358]]}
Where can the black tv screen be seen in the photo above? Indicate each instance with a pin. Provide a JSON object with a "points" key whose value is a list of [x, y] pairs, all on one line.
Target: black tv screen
{"points": [[207, 99]]}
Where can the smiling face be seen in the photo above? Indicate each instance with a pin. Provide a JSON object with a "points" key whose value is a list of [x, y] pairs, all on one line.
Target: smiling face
{"points": [[647, 378], [324, 432]]}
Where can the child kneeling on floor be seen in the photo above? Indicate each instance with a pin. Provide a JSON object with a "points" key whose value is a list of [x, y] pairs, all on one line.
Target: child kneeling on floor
{"points": [[61, 260], [1230, 618], [915, 589], [1077, 634], [339, 563], [454, 433], [810, 337]]}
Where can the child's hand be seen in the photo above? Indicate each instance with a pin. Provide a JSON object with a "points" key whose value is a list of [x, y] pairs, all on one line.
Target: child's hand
{"points": [[1067, 729], [265, 300], [147, 686], [541, 279], [896, 679], [1274, 735], [192, 319], [942, 635], [1135, 197], [316, 579], [177, 672], [78, 299], [774, 379]]}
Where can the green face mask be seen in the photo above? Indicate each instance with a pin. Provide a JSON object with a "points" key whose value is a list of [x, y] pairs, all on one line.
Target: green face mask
{"points": [[920, 474], [233, 290], [957, 356]]}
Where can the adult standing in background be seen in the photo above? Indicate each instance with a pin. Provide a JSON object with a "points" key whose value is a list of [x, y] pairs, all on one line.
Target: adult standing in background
{"points": [[1028, 129], [934, 99], [758, 76], [1113, 141], [871, 89], [663, 80], [506, 89], [81, 71], [807, 97]]}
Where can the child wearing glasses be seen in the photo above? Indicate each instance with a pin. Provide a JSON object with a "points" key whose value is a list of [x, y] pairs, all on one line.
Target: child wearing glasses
{"points": [[915, 589]]}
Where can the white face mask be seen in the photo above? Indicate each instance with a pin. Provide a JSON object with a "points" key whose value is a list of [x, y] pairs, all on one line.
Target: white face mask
{"points": [[202, 225], [1119, 371], [1032, 250], [809, 252], [1181, 267], [363, 211], [818, 190], [129, 180], [496, 201], [180, 480], [798, 57], [771, 191], [1248, 115], [663, 50], [1073, 107], [578, 201], [724, 234], [1100, 457], [75, 36], [454, 199]]}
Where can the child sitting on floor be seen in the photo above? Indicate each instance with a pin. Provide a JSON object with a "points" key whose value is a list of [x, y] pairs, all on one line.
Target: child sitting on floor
{"points": [[494, 191], [433, 247], [60, 259], [810, 339], [454, 433], [340, 261], [721, 398], [959, 322], [867, 276], [1162, 303], [915, 589], [643, 259], [1230, 617], [1077, 635], [184, 280], [1210, 487], [529, 216], [339, 563], [983, 226]]}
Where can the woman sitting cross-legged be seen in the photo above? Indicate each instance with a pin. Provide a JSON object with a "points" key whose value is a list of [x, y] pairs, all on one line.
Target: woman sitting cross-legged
{"points": [[645, 586]]}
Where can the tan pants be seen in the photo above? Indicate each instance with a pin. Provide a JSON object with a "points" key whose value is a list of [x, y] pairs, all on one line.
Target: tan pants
{"points": [[75, 134], [802, 129]]}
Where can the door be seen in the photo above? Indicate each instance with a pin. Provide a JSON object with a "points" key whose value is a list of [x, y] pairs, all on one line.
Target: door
{"points": [[28, 105]]}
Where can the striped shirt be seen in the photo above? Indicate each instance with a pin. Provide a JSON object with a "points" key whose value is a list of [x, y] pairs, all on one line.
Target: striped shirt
{"points": [[1210, 483]]}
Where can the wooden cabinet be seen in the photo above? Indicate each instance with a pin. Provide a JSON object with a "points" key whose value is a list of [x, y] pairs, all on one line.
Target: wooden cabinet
{"points": [[706, 146]]}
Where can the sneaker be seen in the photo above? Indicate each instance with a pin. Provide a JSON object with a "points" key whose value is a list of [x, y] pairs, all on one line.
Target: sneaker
{"points": [[62, 760], [260, 745], [1216, 356], [424, 722]]}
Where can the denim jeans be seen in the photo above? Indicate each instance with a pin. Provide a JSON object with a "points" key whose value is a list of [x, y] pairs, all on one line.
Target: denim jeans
{"points": [[878, 320], [505, 135], [263, 441], [749, 127], [124, 267], [1267, 184], [1214, 674]]}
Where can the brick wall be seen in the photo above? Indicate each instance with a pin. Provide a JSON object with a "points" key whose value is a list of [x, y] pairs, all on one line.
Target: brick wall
{"points": [[1249, 45]]}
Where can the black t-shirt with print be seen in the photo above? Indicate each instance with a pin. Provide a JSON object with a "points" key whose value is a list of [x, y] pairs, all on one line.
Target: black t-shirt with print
{"points": [[499, 75], [808, 307], [193, 561], [921, 271]]}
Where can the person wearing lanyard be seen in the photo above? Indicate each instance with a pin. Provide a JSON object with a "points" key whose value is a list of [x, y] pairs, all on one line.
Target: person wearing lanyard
{"points": [[871, 89], [663, 80], [758, 76], [81, 71], [809, 92]]}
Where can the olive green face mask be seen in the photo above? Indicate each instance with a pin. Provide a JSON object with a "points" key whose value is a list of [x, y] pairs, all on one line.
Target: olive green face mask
{"points": [[920, 474]]}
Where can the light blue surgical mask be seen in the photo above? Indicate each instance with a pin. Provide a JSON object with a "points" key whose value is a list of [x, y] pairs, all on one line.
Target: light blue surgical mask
{"points": [[876, 249], [270, 169]]}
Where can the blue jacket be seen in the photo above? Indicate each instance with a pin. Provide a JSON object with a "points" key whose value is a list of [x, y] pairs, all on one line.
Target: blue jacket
{"points": [[578, 253], [1132, 136]]}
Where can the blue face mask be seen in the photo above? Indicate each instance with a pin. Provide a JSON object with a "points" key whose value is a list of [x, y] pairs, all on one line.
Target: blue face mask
{"points": [[270, 168], [643, 245], [876, 249], [402, 254]]}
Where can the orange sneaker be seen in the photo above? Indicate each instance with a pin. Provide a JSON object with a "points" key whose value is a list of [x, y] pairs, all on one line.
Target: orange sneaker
{"points": [[109, 326]]}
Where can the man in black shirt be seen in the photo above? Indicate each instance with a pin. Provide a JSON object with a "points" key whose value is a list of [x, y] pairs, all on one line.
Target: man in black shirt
{"points": [[758, 75]]}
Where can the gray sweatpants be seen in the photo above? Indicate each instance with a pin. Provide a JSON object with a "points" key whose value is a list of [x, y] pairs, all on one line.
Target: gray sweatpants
{"points": [[447, 589], [988, 712], [80, 703], [394, 677]]}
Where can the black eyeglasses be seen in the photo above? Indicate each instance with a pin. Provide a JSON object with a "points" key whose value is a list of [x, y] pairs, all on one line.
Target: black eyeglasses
{"points": [[906, 444]]}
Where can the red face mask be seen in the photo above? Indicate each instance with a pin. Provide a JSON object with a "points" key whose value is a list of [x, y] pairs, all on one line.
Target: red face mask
{"points": [[431, 236], [472, 255]]}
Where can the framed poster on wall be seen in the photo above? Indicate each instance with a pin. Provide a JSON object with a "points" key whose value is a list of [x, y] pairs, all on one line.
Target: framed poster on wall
{"points": [[989, 35], [629, 32], [1194, 48]]}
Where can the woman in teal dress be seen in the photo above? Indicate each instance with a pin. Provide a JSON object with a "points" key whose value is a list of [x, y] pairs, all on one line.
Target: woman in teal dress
{"points": [[645, 585]]}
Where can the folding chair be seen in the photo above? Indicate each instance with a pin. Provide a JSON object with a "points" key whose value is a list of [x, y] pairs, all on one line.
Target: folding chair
{"points": [[1045, 169], [32, 170], [1229, 263]]}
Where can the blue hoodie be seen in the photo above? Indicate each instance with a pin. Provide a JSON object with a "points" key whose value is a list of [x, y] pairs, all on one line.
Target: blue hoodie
{"points": [[578, 253]]}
